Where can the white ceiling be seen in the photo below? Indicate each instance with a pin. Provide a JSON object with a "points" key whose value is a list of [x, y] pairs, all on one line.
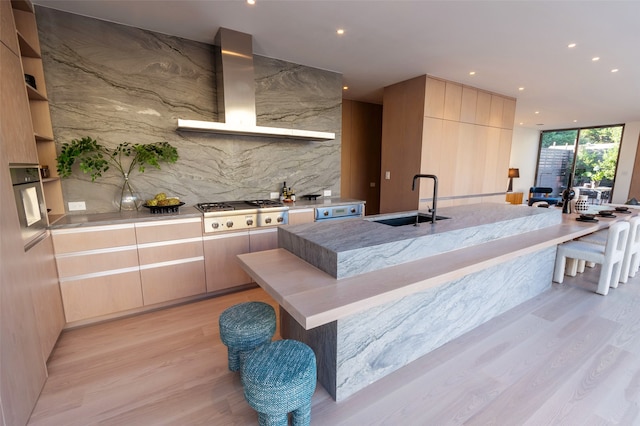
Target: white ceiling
{"points": [[509, 44]]}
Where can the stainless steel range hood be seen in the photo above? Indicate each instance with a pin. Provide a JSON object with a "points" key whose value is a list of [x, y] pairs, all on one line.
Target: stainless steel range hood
{"points": [[236, 94]]}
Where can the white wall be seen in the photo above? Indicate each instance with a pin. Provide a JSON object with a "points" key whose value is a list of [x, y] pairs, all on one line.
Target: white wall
{"points": [[524, 154]]}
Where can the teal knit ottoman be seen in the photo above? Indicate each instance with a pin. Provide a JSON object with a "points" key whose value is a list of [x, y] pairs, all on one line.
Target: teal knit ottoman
{"points": [[244, 327], [279, 378]]}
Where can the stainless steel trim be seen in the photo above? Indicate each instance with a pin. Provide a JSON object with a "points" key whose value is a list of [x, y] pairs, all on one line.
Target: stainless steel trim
{"points": [[100, 274], [272, 132], [171, 263], [234, 78]]}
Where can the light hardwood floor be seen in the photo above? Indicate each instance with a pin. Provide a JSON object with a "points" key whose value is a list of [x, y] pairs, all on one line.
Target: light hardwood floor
{"points": [[567, 357]]}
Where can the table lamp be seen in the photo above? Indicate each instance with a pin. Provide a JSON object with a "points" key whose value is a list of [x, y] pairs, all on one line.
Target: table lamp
{"points": [[513, 173]]}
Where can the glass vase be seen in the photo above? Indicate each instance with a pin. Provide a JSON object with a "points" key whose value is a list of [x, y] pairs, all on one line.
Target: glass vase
{"points": [[127, 198]]}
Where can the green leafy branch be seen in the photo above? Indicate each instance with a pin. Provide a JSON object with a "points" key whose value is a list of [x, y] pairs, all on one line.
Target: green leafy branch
{"points": [[95, 159]]}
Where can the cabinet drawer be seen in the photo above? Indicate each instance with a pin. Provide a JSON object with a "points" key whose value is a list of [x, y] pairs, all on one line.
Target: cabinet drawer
{"points": [[167, 230], [222, 268], [301, 216], [93, 297], [93, 238], [160, 284], [172, 251], [90, 263]]}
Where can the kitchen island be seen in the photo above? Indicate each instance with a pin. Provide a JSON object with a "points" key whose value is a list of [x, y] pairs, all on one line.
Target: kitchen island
{"points": [[370, 298]]}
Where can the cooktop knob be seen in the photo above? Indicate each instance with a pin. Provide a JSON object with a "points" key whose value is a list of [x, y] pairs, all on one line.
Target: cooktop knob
{"points": [[267, 220], [229, 224], [215, 225], [249, 222], [353, 210], [326, 213], [280, 219]]}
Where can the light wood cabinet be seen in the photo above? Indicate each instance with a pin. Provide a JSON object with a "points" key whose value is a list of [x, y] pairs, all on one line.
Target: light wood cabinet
{"points": [[105, 270], [434, 98], [98, 269], [47, 301], [483, 108], [299, 216], [223, 270], [31, 314], [497, 110], [263, 239], [508, 114], [90, 297], [452, 101], [464, 138], [468, 106], [171, 257], [43, 151], [20, 146], [7, 28]]}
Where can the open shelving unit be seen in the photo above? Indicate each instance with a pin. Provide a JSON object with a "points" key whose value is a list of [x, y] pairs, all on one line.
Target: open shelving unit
{"points": [[27, 31]]}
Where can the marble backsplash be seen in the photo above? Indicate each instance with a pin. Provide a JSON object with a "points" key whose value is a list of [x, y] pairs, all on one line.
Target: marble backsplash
{"points": [[117, 83]]}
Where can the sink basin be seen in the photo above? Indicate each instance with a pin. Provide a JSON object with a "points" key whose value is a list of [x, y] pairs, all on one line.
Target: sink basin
{"points": [[408, 220]]}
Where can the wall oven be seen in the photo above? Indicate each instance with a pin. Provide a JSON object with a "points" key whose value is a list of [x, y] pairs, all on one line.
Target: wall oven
{"points": [[32, 212]]}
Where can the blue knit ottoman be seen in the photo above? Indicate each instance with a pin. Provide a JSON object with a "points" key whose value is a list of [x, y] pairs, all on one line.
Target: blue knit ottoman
{"points": [[279, 378], [244, 327]]}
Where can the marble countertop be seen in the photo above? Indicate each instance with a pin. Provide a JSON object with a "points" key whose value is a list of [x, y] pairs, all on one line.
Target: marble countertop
{"points": [[314, 297], [323, 202], [352, 246], [112, 218], [99, 219]]}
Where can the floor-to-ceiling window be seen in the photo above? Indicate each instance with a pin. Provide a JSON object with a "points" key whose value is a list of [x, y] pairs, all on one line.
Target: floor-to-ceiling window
{"points": [[585, 158]]}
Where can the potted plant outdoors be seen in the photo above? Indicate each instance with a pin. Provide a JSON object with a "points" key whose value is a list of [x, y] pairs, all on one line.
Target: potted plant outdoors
{"points": [[95, 159]]}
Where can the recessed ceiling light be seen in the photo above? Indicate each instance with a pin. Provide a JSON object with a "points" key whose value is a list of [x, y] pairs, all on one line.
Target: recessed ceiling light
{"points": [[595, 58], [340, 31], [575, 121], [345, 87], [537, 112], [521, 88], [472, 73], [522, 123], [614, 70], [571, 45], [251, 1]]}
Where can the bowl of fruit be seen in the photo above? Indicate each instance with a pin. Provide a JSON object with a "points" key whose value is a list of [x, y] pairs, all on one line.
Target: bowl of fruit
{"points": [[163, 204]]}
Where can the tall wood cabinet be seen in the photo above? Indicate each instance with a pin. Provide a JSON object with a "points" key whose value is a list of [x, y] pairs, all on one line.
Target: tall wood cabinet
{"points": [[45, 155], [30, 309], [459, 133]]}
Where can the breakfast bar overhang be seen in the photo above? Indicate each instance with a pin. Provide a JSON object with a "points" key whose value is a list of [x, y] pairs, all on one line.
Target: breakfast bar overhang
{"points": [[370, 298]]}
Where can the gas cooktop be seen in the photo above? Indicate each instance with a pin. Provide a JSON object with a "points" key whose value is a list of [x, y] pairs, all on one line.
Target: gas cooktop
{"points": [[238, 205]]}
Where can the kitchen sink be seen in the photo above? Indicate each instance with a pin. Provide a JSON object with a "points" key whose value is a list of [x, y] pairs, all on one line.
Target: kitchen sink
{"points": [[408, 220]]}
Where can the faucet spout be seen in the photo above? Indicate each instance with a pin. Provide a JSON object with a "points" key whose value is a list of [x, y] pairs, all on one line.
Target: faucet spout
{"points": [[435, 194]]}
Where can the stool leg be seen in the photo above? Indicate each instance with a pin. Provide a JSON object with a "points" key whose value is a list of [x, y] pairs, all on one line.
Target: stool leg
{"points": [[302, 415], [606, 274], [234, 359], [572, 267], [558, 272], [635, 262], [273, 419], [581, 264]]}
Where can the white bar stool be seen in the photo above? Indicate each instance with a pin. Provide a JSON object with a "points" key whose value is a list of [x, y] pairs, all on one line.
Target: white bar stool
{"points": [[610, 256], [631, 261]]}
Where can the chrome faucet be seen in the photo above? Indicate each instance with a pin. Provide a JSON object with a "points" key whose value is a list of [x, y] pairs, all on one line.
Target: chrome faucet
{"points": [[435, 195]]}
